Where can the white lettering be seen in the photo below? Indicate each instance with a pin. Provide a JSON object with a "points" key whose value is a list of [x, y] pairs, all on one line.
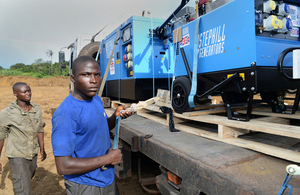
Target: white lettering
{"points": [[200, 41], [223, 33], [212, 42], [209, 37], [203, 39], [206, 38], [214, 36], [219, 38]]}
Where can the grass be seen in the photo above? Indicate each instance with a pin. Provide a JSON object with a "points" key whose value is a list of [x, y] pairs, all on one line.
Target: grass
{"points": [[7, 72]]}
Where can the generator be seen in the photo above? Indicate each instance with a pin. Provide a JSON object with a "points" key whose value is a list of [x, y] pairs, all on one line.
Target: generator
{"points": [[237, 49], [231, 48], [140, 62]]}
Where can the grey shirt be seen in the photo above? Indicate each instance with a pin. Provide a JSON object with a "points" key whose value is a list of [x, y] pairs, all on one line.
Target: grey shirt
{"points": [[21, 129]]}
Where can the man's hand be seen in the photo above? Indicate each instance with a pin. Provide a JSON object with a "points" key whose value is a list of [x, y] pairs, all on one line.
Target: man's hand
{"points": [[120, 111], [124, 114], [43, 155], [115, 156]]}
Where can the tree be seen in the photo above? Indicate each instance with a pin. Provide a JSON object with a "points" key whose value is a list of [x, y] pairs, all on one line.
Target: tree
{"points": [[1, 68], [18, 66], [50, 53], [37, 61]]}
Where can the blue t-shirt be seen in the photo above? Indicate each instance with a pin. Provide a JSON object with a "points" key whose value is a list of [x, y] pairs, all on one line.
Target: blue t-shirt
{"points": [[80, 129]]}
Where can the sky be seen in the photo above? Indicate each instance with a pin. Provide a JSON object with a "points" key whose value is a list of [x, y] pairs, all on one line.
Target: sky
{"points": [[29, 28]]}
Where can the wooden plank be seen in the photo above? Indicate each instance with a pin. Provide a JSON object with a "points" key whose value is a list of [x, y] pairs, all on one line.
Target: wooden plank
{"points": [[165, 101], [165, 98], [253, 125], [144, 113], [210, 106], [204, 112], [194, 131], [264, 148], [153, 108], [259, 147], [274, 120], [269, 113], [106, 102], [229, 132], [115, 104]]}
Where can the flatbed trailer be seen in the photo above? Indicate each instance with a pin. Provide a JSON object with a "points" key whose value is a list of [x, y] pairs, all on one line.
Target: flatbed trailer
{"points": [[204, 166]]}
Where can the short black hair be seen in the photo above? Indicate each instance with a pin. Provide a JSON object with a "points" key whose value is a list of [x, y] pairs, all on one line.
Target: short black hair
{"points": [[17, 84], [78, 61]]}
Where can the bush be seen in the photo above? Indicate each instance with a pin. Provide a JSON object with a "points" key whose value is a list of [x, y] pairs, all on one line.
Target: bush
{"points": [[38, 69], [8, 72]]}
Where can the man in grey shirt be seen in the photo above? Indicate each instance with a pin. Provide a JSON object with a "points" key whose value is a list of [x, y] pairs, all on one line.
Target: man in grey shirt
{"points": [[22, 124]]}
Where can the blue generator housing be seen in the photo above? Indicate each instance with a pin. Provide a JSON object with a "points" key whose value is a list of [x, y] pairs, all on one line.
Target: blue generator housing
{"points": [[231, 48], [139, 66], [237, 49]]}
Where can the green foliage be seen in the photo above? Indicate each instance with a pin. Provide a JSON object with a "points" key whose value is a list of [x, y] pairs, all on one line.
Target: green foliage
{"points": [[39, 69], [8, 72], [17, 66]]}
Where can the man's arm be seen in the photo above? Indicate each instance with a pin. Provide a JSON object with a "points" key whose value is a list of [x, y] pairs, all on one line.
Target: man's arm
{"points": [[4, 129], [67, 165], [1, 146], [41, 143]]}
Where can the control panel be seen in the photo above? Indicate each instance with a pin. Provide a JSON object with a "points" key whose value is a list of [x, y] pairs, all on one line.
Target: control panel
{"points": [[277, 19]]}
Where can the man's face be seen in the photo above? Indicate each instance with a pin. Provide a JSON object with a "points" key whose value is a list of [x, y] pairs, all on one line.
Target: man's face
{"points": [[86, 80], [23, 93]]}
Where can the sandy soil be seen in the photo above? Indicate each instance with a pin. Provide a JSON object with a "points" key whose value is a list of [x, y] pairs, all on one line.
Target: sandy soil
{"points": [[48, 93]]}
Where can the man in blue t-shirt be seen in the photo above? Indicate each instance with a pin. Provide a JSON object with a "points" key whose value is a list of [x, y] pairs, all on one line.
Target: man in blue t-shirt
{"points": [[80, 135]]}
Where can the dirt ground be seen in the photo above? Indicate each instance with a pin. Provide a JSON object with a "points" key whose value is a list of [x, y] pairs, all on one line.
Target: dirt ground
{"points": [[48, 93]]}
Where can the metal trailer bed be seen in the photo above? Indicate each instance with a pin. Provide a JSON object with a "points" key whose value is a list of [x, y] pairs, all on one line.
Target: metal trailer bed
{"points": [[205, 166]]}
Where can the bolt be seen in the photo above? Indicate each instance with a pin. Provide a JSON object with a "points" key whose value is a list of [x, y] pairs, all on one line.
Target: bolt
{"points": [[292, 170], [262, 56], [252, 88], [244, 88], [228, 105], [253, 63], [252, 73]]}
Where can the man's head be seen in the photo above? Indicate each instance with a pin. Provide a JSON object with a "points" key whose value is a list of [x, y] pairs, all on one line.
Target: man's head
{"points": [[86, 77], [22, 91]]}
